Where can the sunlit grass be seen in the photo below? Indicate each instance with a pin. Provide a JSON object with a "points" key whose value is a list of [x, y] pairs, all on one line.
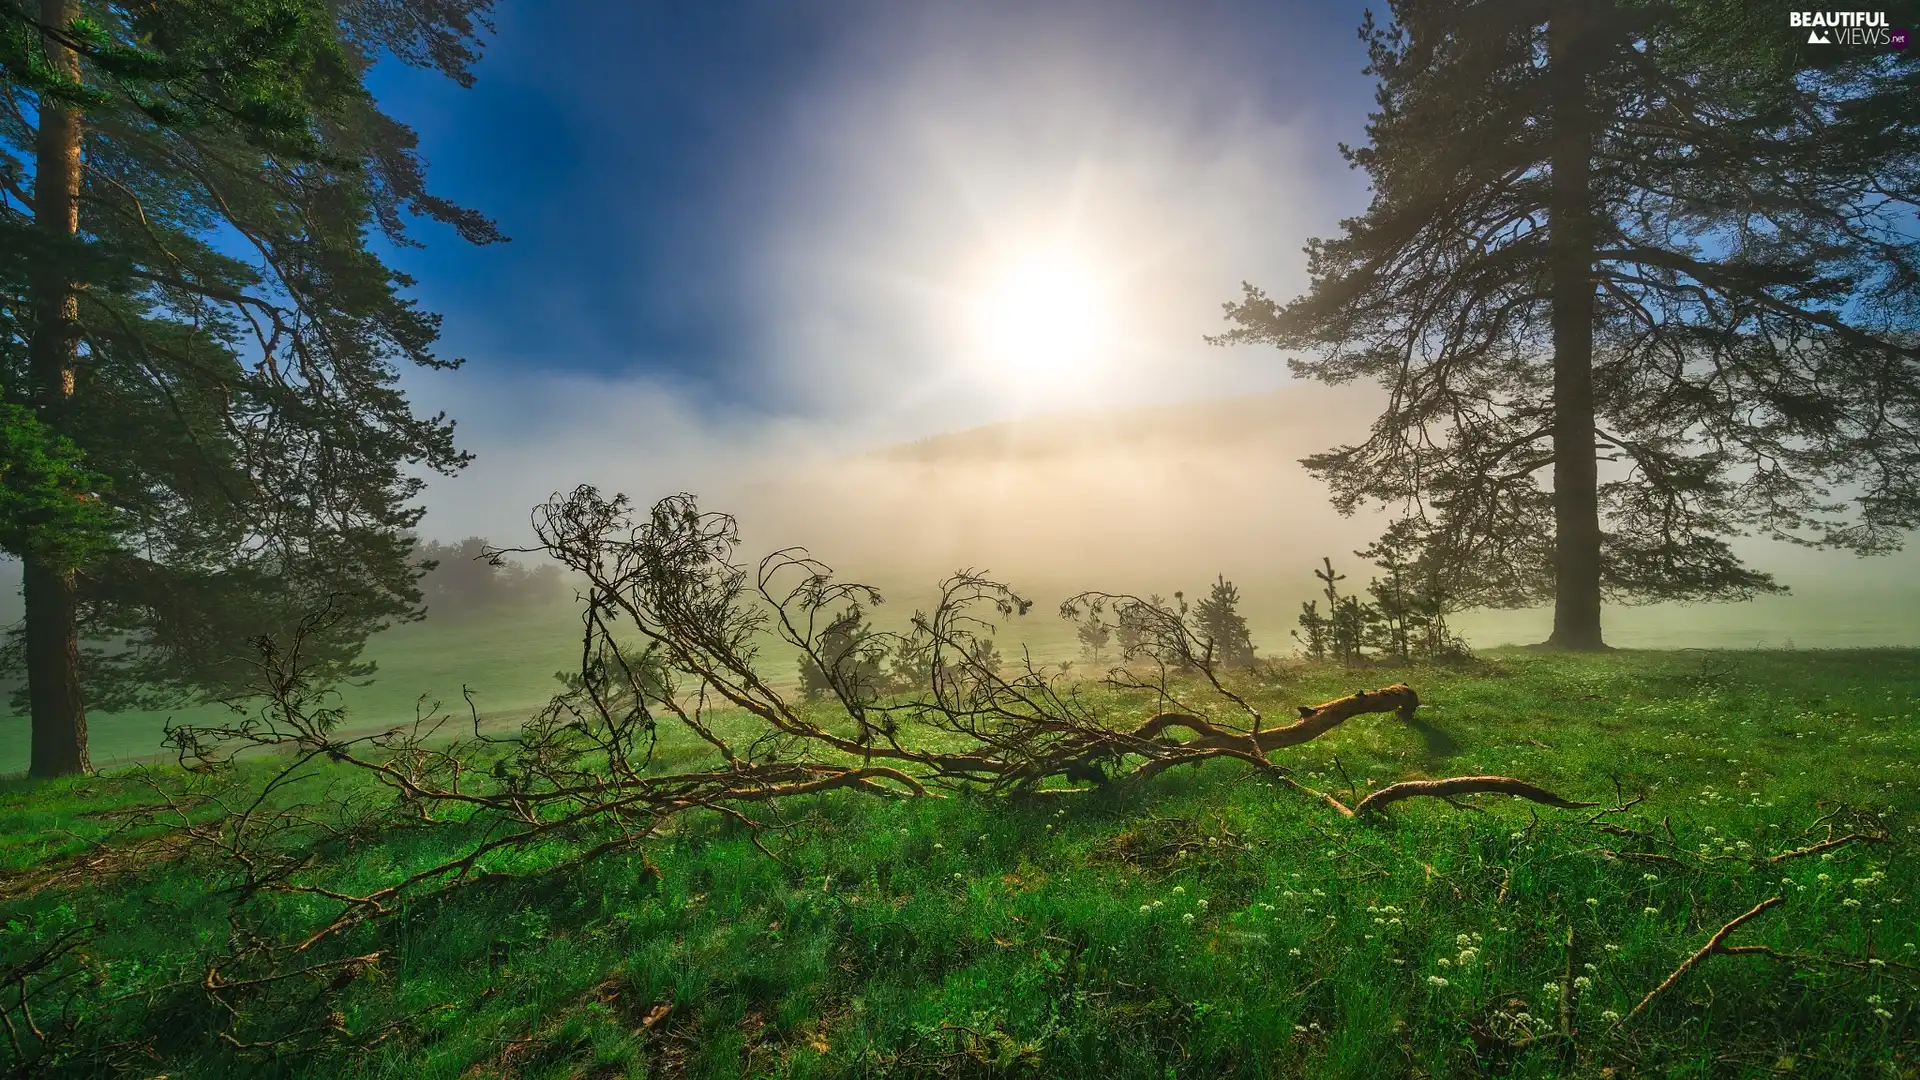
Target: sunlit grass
{"points": [[1205, 924]]}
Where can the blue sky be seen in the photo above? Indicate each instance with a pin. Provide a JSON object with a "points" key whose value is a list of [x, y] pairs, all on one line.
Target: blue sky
{"points": [[753, 228]]}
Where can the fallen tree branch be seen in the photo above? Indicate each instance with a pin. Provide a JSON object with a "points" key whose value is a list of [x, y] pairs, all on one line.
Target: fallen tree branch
{"points": [[1716, 943], [1464, 785], [1814, 849], [672, 624], [1811, 958], [1343, 808], [1315, 721]]}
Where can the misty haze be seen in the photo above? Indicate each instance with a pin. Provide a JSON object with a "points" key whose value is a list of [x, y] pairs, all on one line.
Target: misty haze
{"points": [[834, 538]]}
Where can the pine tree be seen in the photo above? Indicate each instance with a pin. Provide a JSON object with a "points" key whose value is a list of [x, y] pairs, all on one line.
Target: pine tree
{"points": [[470, 575], [1394, 616], [910, 663], [258, 458], [850, 660], [1093, 633], [1218, 622], [1658, 235], [1347, 630], [1131, 622], [1343, 633], [1314, 631]]}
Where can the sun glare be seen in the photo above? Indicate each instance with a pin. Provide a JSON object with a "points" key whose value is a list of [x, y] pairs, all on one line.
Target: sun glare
{"points": [[1041, 319]]}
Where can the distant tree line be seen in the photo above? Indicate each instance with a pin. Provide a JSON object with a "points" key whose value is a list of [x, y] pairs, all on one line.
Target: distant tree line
{"points": [[868, 663], [462, 577], [1403, 616], [1215, 623]]}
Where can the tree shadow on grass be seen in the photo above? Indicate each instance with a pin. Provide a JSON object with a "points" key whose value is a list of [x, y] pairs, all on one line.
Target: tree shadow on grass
{"points": [[1435, 744]]}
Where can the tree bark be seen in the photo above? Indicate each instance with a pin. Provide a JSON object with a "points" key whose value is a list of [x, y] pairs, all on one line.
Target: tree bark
{"points": [[1576, 502], [53, 640]]}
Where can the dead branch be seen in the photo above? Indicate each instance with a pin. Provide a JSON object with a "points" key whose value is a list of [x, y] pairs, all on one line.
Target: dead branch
{"points": [[1814, 849], [671, 625], [1828, 961], [1465, 785], [1315, 721], [1716, 943]]}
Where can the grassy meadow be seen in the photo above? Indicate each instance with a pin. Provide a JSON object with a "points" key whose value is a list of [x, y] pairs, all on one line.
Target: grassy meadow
{"points": [[1203, 924], [508, 657]]}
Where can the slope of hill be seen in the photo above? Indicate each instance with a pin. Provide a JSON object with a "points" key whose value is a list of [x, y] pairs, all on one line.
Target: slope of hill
{"points": [[1303, 417]]}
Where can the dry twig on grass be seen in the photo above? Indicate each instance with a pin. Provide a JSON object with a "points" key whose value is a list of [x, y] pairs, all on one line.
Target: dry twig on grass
{"points": [[1716, 943], [1824, 845], [1465, 785]]}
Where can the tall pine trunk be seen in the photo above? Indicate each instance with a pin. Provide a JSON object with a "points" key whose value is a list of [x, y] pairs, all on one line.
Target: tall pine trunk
{"points": [[53, 640], [1576, 500]]}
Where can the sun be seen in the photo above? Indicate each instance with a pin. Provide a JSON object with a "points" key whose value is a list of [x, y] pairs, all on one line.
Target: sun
{"points": [[1041, 318]]}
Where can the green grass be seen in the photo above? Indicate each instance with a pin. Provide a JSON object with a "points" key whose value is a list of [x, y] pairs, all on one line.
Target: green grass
{"points": [[1067, 936], [508, 657]]}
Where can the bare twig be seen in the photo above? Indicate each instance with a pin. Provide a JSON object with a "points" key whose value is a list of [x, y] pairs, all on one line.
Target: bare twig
{"points": [[1716, 943], [1814, 849], [1464, 785]]}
